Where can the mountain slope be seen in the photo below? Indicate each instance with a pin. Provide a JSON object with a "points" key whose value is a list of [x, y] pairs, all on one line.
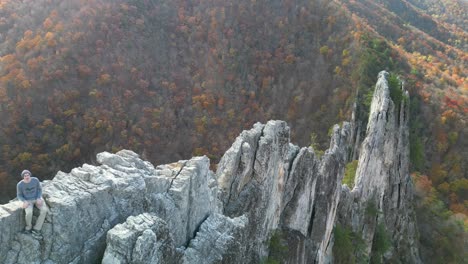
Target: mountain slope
{"points": [[79, 78], [169, 79]]}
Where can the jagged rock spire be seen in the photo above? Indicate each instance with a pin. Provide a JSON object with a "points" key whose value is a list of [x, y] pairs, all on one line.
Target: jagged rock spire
{"points": [[383, 193], [282, 187]]}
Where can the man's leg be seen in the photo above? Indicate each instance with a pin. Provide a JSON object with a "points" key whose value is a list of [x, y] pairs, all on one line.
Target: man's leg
{"points": [[29, 214], [40, 220]]}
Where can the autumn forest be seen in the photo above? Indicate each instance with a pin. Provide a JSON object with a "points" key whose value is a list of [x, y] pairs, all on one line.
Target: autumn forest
{"points": [[170, 79]]}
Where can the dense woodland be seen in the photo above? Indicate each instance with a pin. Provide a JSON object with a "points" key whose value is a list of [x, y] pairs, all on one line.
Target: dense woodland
{"points": [[168, 79], [171, 79]]}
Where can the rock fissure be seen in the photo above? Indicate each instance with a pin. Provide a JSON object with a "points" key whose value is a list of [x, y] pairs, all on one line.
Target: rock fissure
{"points": [[291, 164], [239, 172], [399, 195], [311, 222], [176, 175], [195, 232], [231, 187], [188, 231]]}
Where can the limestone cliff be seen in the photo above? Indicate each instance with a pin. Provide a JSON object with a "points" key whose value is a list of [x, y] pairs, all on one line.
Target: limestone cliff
{"points": [[381, 200], [128, 211], [279, 186]]}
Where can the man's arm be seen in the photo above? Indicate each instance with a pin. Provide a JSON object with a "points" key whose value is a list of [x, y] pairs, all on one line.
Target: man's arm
{"points": [[39, 190], [19, 192]]}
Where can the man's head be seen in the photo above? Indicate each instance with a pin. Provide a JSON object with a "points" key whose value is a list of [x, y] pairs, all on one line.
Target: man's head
{"points": [[26, 175]]}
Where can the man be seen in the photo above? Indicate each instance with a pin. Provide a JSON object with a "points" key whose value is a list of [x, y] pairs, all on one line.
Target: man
{"points": [[29, 191]]}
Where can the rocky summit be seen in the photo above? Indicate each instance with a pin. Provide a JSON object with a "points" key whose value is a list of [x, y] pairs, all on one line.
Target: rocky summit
{"points": [[265, 189]]}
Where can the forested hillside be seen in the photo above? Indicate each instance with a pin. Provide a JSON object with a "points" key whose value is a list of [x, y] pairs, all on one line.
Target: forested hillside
{"points": [[169, 79], [175, 78]]}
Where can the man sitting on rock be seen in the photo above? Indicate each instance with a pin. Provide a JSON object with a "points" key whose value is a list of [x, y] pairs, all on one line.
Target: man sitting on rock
{"points": [[29, 191]]}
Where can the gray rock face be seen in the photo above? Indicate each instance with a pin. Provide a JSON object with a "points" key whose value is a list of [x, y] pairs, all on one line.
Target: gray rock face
{"points": [[300, 191], [383, 190], [220, 240], [186, 196], [147, 239], [141, 239], [252, 176], [279, 186], [86, 203], [128, 211]]}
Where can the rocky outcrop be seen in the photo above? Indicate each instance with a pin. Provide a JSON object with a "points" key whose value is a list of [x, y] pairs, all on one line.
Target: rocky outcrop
{"points": [[265, 189], [279, 186], [381, 200], [146, 238], [128, 211], [141, 239], [220, 240], [87, 202]]}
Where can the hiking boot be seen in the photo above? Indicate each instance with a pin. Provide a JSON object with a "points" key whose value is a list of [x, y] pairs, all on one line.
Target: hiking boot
{"points": [[36, 233], [26, 231]]}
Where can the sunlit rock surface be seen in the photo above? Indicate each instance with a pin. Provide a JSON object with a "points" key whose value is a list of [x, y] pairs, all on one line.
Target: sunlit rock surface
{"points": [[383, 191]]}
